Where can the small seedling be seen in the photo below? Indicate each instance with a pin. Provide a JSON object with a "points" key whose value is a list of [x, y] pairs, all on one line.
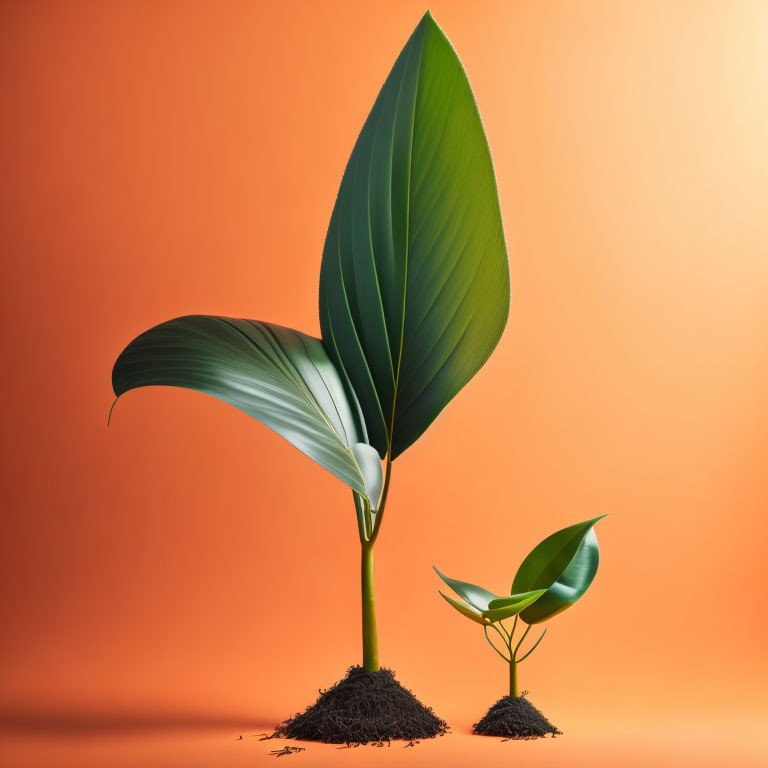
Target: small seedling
{"points": [[556, 573]]}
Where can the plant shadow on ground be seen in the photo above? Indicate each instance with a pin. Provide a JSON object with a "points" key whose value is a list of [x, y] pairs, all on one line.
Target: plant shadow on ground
{"points": [[91, 722]]}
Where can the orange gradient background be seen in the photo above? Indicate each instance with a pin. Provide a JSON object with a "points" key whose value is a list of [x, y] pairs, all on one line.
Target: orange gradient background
{"points": [[186, 576]]}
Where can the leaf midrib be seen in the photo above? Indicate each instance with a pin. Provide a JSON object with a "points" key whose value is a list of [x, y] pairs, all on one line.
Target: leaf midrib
{"points": [[556, 554], [308, 398], [407, 247]]}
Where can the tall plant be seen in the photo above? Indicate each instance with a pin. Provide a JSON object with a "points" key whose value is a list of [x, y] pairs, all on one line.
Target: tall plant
{"points": [[414, 296]]}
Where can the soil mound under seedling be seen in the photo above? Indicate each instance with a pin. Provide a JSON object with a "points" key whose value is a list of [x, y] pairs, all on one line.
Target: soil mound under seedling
{"points": [[364, 707], [515, 718]]}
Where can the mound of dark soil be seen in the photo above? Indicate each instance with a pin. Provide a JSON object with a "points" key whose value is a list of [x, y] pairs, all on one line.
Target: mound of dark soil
{"points": [[515, 718], [364, 707]]}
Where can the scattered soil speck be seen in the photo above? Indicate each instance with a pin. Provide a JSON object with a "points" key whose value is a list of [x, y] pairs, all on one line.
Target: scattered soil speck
{"points": [[286, 751]]}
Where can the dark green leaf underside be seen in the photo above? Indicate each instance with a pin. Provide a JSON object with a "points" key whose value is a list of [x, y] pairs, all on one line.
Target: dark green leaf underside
{"points": [[564, 564]]}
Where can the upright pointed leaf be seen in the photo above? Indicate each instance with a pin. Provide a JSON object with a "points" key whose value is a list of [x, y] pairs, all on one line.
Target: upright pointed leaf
{"points": [[414, 284], [477, 597], [279, 376], [564, 564]]}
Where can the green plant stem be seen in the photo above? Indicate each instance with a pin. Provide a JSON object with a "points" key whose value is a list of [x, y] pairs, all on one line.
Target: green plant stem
{"points": [[362, 516], [505, 640], [520, 642], [512, 659], [535, 645], [367, 539], [370, 635], [514, 691], [368, 535], [383, 502], [490, 642]]}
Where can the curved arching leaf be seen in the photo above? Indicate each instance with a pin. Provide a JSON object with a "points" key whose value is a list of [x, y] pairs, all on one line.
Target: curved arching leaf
{"points": [[504, 607], [368, 461], [564, 564], [477, 597], [279, 376], [414, 284]]}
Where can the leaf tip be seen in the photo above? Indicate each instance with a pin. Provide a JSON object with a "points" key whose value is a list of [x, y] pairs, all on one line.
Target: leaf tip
{"points": [[428, 18]]}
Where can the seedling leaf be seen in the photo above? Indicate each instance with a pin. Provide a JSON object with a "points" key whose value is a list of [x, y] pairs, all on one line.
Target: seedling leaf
{"points": [[564, 564], [504, 607], [477, 597], [465, 610]]}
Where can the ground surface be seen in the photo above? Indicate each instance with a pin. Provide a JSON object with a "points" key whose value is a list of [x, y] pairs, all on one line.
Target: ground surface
{"points": [[704, 744]]}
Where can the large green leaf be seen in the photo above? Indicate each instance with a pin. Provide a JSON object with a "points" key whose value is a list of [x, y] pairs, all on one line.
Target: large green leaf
{"points": [[279, 376], [414, 284], [564, 564], [477, 597]]}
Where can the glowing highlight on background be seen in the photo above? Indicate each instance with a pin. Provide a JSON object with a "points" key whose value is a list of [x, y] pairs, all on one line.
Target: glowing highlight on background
{"points": [[160, 159]]}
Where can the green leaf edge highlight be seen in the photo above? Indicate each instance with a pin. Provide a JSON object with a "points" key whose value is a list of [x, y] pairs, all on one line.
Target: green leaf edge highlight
{"points": [[504, 607], [465, 610], [465, 589]]}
